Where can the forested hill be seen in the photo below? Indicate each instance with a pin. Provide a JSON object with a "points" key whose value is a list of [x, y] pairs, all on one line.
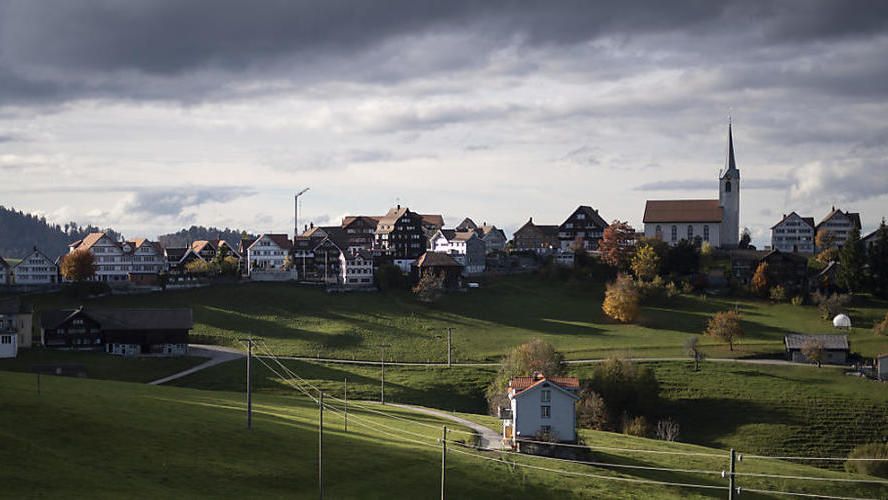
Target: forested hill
{"points": [[21, 232], [186, 236]]}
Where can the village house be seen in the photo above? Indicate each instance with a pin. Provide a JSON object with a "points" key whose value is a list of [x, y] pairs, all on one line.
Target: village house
{"points": [[839, 224], [836, 347], [583, 224], [541, 408], [5, 272], [15, 326], [715, 221], [327, 259], [120, 331], [793, 233], [208, 249], [400, 235], [35, 269], [494, 239], [113, 260], [148, 257], [788, 269], [356, 268], [464, 246], [268, 252], [178, 258], [542, 239], [359, 232], [882, 367], [440, 264]]}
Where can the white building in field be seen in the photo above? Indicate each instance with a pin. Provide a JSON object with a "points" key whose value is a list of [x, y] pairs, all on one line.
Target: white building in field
{"points": [[466, 247], [113, 260], [793, 233], [35, 269], [356, 268], [268, 252], [148, 256], [715, 221], [541, 408]]}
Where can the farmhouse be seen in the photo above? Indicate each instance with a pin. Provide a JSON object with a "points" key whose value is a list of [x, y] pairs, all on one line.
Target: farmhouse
{"points": [[356, 268], [583, 224], [36, 269], [793, 233], [113, 260], [120, 331], [541, 407], [438, 263], [542, 239], [882, 367], [835, 346], [839, 224], [16, 321], [268, 252]]}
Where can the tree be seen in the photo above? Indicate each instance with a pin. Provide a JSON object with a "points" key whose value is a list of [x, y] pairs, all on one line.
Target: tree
{"points": [[430, 286], [578, 245], [289, 262], [591, 410], [881, 328], [824, 239], [850, 273], [877, 258], [621, 299], [814, 351], [523, 361], [389, 277], [759, 283], [692, 349], [725, 326], [877, 468], [667, 430], [78, 265], [683, 258], [745, 239], [616, 244], [645, 263], [627, 388]]}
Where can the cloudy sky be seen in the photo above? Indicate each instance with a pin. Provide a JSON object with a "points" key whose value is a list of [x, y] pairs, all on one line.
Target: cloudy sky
{"points": [[148, 116]]}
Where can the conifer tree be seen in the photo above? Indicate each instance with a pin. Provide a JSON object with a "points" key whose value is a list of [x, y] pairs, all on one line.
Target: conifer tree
{"points": [[878, 261], [851, 256]]}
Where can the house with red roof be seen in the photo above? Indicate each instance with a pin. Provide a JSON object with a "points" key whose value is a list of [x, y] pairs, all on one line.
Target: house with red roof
{"points": [[268, 252], [541, 409]]}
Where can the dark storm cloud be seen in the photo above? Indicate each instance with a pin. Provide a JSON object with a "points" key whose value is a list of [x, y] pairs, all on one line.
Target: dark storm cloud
{"points": [[183, 49]]}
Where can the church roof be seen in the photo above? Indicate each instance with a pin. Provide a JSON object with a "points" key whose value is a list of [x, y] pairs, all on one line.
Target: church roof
{"points": [[667, 211], [730, 162]]}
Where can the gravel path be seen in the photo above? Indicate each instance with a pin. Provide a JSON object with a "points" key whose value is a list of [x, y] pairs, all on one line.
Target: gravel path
{"points": [[489, 438], [217, 354]]}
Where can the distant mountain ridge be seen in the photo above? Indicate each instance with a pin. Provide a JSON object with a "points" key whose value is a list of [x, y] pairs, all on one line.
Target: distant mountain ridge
{"points": [[184, 237], [21, 232]]}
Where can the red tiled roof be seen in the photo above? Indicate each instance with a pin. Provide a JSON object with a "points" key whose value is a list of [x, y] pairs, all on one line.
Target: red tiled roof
{"points": [[281, 240], [682, 211], [433, 220], [90, 240], [523, 383]]}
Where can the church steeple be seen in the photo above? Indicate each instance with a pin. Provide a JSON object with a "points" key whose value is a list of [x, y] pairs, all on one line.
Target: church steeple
{"points": [[729, 197], [730, 162]]}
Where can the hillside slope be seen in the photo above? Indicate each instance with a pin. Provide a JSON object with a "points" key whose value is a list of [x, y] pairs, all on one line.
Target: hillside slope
{"points": [[21, 232]]}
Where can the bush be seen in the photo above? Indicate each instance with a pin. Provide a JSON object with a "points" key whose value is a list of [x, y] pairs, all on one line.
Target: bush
{"points": [[389, 277], [872, 450], [881, 328], [635, 426], [686, 287], [671, 290], [591, 410], [625, 388], [667, 430], [798, 300], [831, 305], [778, 294], [621, 299], [650, 291]]}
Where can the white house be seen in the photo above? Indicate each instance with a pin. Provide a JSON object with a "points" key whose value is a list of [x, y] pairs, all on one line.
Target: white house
{"points": [[113, 260], [8, 346], [793, 233], [715, 221], [356, 268], [882, 366], [466, 247], [148, 256], [36, 269], [15, 320], [268, 252], [839, 223], [541, 407]]}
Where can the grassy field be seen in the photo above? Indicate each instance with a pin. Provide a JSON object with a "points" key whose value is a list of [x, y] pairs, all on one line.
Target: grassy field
{"points": [[101, 439], [486, 321], [797, 410], [102, 366]]}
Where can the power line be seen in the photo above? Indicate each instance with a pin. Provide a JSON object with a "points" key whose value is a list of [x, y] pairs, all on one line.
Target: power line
{"points": [[806, 478], [839, 459], [808, 495], [630, 450]]}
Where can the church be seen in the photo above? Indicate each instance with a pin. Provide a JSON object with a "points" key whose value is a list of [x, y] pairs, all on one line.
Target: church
{"points": [[715, 221]]}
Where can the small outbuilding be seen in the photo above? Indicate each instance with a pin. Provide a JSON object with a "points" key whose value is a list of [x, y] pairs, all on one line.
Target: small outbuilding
{"points": [[842, 321], [438, 263], [836, 348], [882, 367]]}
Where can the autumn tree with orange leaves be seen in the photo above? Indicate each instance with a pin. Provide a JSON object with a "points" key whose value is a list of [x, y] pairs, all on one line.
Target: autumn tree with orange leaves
{"points": [[617, 244]]}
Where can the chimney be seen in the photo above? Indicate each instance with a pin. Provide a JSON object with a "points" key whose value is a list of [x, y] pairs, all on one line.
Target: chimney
{"points": [[306, 228], [312, 224], [530, 220], [399, 206]]}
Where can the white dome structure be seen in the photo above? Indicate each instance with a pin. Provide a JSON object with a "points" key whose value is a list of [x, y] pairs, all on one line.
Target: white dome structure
{"points": [[842, 321]]}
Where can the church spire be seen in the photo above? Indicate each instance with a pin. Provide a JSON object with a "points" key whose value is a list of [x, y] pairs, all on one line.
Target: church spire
{"points": [[730, 162]]}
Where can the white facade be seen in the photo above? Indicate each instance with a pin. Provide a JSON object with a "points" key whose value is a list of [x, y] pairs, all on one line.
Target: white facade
{"points": [[266, 254], [675, 232], [840, 224], [467, 248], [147, 257], [793, 234], [356, 269], [113, 260], [544, 407], [8, 345], [35, 269]]}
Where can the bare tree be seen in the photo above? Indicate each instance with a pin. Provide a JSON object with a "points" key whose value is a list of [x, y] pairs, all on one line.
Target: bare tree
{"points": [[692, 349], [815, 351], [667, 430]]}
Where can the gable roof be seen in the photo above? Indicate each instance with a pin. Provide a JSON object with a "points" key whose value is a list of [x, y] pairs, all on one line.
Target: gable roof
{"points": [[433, 220], [3, 263], [853, 216], [797, 341], [807, 220], [28, 256], [464, 235], [522, 385], [199, 245], [436, 259], [467, 224], [123, 318], [90, 240], [666, 211], [590, 214], [279, 239], [368, 220], [362, 253]]}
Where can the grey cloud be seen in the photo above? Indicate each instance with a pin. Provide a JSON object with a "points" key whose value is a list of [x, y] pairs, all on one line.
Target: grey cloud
{"points": [[176, 201], [712, 185]]}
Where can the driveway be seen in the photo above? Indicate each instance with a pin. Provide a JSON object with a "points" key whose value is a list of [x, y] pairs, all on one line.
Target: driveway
{"points": [[216, 353], [489, 438]]}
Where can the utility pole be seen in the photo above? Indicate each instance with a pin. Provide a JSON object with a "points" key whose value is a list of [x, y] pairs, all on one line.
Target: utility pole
{"points": [[296, 213], [346, 405], [382, 387], [249, 342], [731, 476], [449, 344], [443, 460], [321, 445], [38, 383]]}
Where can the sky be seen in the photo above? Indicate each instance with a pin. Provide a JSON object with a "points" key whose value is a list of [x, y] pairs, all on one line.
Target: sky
{"points": [[150, 116]]}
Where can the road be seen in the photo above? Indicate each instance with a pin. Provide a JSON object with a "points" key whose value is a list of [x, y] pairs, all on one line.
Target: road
{"points": [[489, 438], [216, 354]]}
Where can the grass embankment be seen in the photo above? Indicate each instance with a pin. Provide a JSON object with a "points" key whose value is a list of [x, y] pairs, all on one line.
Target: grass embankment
{"points": [[103, 366], [100, 439], [504, 312], [785, 410]]}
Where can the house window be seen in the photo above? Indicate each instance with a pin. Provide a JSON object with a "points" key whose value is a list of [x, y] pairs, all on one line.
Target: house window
{"points": [[674, 233], [546, 428], [728, 187], [6, 339], [659, 231], [706, 232], [545, 396], [545, 411], [690, 233]]}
